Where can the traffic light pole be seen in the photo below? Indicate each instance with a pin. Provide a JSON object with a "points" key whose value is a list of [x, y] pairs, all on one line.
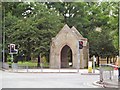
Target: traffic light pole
{"points": [[78, 67], [78, 60], [11, 57], [80, 46]]}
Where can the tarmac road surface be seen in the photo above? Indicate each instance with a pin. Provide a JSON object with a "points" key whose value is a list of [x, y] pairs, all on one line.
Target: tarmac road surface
{"points": [[48, 80]]}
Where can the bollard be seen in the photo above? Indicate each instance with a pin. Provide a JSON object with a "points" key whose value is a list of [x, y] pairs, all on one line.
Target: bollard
{"points": [[90, 67], [110, 75], [101, 74]]}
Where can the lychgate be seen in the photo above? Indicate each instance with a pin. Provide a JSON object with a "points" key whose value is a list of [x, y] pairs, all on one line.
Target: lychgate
{"points": [[64, 50]]}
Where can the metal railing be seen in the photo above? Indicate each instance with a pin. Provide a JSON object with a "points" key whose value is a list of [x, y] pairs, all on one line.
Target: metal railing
{"points": [[25, 68], [45, 69], [109, 75]]}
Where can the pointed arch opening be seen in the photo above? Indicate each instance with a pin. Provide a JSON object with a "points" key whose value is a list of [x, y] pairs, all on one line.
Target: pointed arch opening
{"points": [[66, 57]]}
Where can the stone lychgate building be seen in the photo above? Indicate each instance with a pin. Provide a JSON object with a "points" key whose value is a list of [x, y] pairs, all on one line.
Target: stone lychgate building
{"points": [[64, 51]]}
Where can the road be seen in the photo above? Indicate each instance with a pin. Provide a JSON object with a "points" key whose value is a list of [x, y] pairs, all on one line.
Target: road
{"points": [[48, 80]]}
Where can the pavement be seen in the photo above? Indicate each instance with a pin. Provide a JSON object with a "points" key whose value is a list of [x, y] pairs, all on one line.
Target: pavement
{"points": [[107, 83]]}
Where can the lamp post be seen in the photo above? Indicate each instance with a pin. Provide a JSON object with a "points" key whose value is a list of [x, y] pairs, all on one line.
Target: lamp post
{"points": [[3, 35]]}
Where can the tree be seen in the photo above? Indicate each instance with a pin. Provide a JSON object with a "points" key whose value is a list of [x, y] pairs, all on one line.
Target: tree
{"points": [[88, 17], [36, 23], [33, 31]]}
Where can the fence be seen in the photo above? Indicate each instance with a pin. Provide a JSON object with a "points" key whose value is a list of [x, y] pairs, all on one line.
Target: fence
{"points": [[109, 75], [25, 68]]}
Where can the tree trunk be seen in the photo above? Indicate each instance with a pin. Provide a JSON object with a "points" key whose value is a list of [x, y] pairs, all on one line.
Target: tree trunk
{"points": [[98, 61], [28, 50], [114, 59], [107, 59], [38, 61], [28, 58], [5, 57], [111, 60]]}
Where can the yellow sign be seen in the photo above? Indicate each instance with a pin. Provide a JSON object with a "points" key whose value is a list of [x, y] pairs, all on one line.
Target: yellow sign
{"points": [[90, 67]]}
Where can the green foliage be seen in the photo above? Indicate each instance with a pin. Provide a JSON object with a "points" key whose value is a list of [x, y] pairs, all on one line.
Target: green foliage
{"points": [[87, 17], [44, 60], [27, 63], [100, 44], [31, 25], [32, 31]]}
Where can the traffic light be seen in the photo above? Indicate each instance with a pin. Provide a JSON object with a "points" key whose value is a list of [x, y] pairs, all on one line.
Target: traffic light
{"points": [[80, 44], [12, 48]]}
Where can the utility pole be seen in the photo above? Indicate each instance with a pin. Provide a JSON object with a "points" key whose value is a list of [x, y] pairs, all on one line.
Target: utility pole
{"points": [[119, 49], [119, 26], [3, 35]]}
